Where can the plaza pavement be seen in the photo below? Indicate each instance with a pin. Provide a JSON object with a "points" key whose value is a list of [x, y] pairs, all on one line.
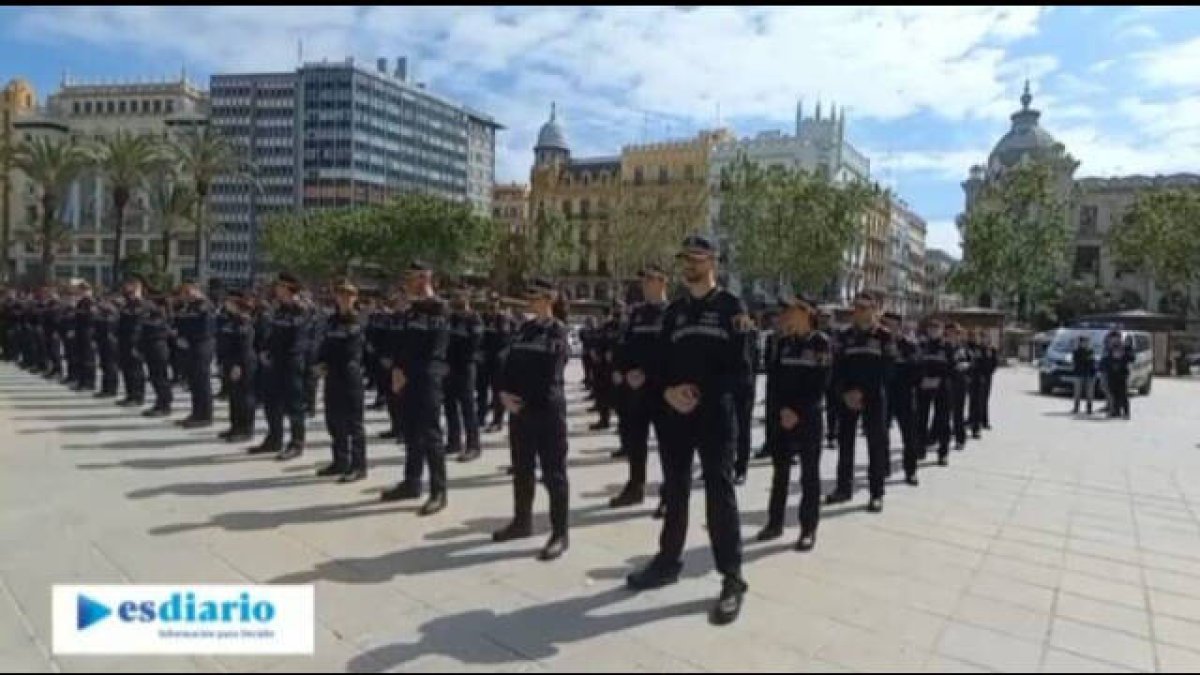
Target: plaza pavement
{"points": [[1054, 544]]}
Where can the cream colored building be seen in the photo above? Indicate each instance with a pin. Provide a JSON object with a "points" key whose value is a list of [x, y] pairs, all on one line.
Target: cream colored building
{"points": [[510, 206], [90, 112]]}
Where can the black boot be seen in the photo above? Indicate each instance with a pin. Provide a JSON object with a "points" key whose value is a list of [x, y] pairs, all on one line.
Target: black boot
{"points": [[517, 529], [436, 504], [555, 548], [402, 492], [729, 604], [292, 451], [770, 532], [655, 575], [631, 495]]}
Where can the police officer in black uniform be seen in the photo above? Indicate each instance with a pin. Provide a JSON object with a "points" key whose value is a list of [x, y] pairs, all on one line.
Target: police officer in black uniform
{"points": [[393, 329], [639, 385], [85, 334], [129, 338], [107, 318], [743, 401], [52, 331], [239, 363], [991, 360], [375, 333], [974, 348], [498, 330], [340, 360], [798, 374], [902, 392], [531, 388], [1115, 361], [319, 313], [66, 325], [462, 354], [418, 377], [604, 341], [587, 343], [702, 367], [833, 404], [933, 395], [288, 347], [960, 379], [155, 345], [195, 323], [862, 363]]}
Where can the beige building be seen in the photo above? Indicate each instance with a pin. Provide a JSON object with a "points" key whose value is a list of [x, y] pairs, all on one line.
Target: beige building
{"points": [[510, 206], [17, 99], [89, 112], [668, 179]]}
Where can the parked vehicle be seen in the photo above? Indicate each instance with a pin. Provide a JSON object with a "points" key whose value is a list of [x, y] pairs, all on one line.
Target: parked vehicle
{"points": [[1056, 368]]}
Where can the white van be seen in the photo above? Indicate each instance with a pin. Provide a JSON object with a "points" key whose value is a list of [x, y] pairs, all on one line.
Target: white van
{"points": [[1057, 369]]}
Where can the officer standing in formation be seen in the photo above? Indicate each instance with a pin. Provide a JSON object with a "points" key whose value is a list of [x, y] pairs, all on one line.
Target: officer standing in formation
{"points": [[155, 339], [339, 361], [128, 343], [84, 349], [960, 380], [463, 354], [196, 326], [498, 330], [701, 370], [902, 393], [287, 342], [638, 384], [798, 373], [862, 365], [933, 395], [531, 389], [743, 401], [419, 371], [604, 342], [107, 322], [239, 366]]}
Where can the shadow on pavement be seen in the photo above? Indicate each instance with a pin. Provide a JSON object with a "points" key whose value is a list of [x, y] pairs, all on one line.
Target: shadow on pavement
{"points": [[521, 635], [243, 521]]}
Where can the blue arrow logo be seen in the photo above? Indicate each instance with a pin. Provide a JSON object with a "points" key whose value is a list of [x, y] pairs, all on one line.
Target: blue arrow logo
{"points": [[90, 612]]}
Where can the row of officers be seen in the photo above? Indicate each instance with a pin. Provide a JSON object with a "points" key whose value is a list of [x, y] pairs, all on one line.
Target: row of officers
{"points": [[684, 369]]}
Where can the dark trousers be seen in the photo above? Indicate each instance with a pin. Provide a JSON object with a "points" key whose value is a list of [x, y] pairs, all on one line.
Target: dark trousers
{"points": [[900, 409], [487, 396], [85, 367], [382, 379], [874, 417], [158, 363], [538, 436], [134, 374], [833, 407], [344, 421], [743, 402], [180, 358], [200, 380], [1118, 385], [460, 409], [975, 404], [804, 440], [958, 404], [986, 399], [285, 398], [71, 356], [421, 417], [242, 397], [395, 419], [937, 400], [603, 387], [710, 431], [640, 409], [312, 380], [54, 353]]}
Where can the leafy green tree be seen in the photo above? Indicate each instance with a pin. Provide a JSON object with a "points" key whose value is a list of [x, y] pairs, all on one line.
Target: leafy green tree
{"points": [[51, 164], [1160, 236], [202, 155], [172, 204], [789, 226], [125, 161], [1016, 239]]}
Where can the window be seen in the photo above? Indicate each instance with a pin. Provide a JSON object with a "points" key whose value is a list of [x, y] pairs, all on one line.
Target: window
{"points": [[566, 207], [110, 107], [584, 208], [170, 106], [662, 175], [186, 247], [134, 246], [76, 107], [157, 107], [1087, 220], [87, 247], [87, 107], [1087, 260], [121, 107], [638, 177], [108, 247], [689, 173]]}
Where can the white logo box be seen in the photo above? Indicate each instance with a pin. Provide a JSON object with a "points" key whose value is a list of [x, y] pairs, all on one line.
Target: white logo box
{"points": [[148, 619]]}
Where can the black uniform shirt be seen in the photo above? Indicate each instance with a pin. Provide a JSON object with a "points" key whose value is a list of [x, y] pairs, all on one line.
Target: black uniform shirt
{"points": [[424, 340], [641, 344], [155, 324], [533, 370], [864, 359], [466, 339], [907, 368], [498, 331], [935, 363], [238, 341], [703, 343], [342, 349], [799, 371], [129, 325], [289, 334], [194, 321]]}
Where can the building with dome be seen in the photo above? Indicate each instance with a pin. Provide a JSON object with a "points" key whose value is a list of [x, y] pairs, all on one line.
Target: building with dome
{"points": [[1094, 206], [592, 190]]}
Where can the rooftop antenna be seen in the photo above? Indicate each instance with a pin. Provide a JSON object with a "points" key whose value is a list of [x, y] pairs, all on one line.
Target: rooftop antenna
{"points": [[299, 52]]}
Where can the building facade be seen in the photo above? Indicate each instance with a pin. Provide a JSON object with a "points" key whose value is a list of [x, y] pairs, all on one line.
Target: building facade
{"points": [[1094, 206], [89, 112], [667, 179], [939, 265], [510, 207], [17, 99], [341, 134], [906, 265]]}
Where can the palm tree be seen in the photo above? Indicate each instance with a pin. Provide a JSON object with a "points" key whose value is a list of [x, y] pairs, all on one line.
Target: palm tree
{"points": [[203, 155], [51, 164], [173, 203], [125, 161]]}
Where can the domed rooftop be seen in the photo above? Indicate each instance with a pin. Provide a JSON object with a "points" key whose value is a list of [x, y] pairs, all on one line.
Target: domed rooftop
{"points": [[1025, 137], [551, 135]]}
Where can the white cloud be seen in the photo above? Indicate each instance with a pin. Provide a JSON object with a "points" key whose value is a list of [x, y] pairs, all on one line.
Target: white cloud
{"points": [[1173, 65], [1138, 32], [947, 165]]}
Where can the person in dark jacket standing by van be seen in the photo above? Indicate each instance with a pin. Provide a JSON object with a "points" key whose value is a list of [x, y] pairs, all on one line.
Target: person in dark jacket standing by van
{"points": [[1118, 356], [1084, 360]]}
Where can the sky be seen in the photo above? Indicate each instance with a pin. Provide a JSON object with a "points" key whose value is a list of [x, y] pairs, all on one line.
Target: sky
{"points": [[927, 91]]}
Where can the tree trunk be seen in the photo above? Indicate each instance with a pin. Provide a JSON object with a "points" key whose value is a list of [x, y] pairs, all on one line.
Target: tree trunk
{"points": [[166, 254], [120, 201], [201, 195], [48, 252]]}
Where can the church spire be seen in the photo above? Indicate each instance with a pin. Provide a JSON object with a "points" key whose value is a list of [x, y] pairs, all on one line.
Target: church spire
{"points": [[1026, 98]]}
